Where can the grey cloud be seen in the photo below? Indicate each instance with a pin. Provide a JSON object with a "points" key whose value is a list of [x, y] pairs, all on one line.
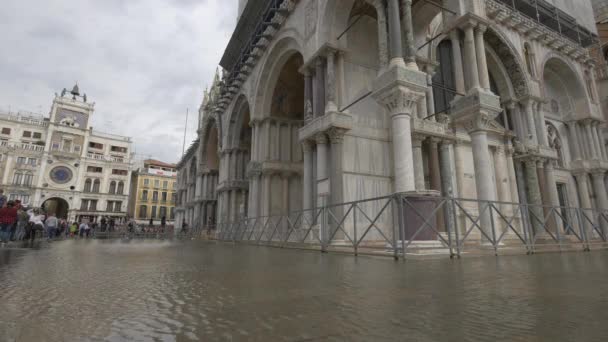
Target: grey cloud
{"points": [[142, 61]]}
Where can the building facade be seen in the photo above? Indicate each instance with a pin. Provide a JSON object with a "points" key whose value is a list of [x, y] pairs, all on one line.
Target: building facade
{"points": [[331, 101], [63, 165], [600, 54], [153, 192]]}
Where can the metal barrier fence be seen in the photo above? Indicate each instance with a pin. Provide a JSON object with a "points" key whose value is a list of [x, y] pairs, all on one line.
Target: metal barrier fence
{"points": [[401, 224]]}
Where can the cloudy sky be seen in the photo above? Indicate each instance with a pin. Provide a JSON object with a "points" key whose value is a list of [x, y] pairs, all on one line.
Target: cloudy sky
{"points": [[143, 62]]}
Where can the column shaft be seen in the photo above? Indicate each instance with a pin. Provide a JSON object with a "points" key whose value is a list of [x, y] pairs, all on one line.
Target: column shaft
{"points": [[394, 26], [486, 190], [331, 82], [534, 197], [434, 171], [446, 184], [573, 139], [308, 109], [308, 174], [458, 66], [471, 58], [408, 28], [418, 162], [482, 64], [382, 35], [319, 94], [531, 125], [590, 141]]}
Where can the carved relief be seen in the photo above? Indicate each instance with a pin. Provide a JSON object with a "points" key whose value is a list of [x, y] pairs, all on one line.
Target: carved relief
{"points": [[310, 18]]}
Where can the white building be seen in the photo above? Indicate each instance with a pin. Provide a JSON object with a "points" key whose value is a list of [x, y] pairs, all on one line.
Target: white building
{"points": [[62, 164]]}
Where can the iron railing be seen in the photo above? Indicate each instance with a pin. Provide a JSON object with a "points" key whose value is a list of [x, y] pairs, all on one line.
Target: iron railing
{"points": [[401, 224]]}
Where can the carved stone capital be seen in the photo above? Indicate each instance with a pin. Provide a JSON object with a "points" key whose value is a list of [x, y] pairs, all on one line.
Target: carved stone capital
{"points": [[479, 122], [399, 100], [321, 139], [306, 146], [336, 135]]}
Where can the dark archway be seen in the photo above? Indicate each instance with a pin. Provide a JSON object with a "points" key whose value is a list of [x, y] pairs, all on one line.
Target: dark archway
{"points": [[56, 206]]}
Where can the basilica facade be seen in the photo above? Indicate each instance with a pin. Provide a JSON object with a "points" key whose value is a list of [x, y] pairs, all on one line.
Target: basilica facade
{"points": [[319, 102]]}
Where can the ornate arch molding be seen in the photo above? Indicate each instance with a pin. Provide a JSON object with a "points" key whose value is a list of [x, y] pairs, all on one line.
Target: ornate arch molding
{"points": [[554, 56], [511, 61], [235, 120], [279, 53], [209, 122]]}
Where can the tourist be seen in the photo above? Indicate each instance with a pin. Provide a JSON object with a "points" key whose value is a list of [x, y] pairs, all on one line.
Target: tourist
{"points": [[112, 224], [87, 229], [22, 222], [151, 222], [36, 223], [104, 224], [73, 229], [8, 218], [184, 227], [51, 226], [82, 228], [2, 198]]}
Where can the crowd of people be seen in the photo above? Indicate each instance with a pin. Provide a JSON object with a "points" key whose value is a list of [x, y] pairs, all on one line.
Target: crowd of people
{"points": [[19, 223]]}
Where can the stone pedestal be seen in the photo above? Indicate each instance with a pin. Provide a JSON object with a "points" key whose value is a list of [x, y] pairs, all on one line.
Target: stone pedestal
{"points": [[423, 203]]}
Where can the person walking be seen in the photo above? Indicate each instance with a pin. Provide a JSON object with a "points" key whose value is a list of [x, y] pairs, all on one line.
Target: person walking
{"points": [[51, 226], [87, 230], [36, 223], [73, 229], [22, 222], [82, 228], [8, 217], [2, 198]]}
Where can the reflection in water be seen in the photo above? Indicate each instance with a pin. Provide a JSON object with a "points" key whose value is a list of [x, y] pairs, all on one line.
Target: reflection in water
{"points": [[162, 291]]}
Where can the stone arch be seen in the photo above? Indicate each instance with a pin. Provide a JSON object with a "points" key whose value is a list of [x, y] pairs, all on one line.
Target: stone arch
{"points": [[511, 61], [238, 120], [210, 143], [279, 53], [562, 83], [500, 75]]}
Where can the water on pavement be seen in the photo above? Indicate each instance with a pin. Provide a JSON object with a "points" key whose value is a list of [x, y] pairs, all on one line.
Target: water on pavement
{"points": [[202, 291]]}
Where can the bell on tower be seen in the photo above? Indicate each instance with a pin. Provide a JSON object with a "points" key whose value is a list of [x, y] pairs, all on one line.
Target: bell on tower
{"points": [[75, 91]]}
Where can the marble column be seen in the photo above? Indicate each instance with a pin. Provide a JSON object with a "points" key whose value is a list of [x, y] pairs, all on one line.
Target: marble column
{"points": [[322, 149], [394, 27], [600, 189], [534, 196], [484, 181], [336, 137], [596, 140], [285, 191], [434, 169], [484, 77], [266, 178], [430, 96], [382, 35], [470, 57], [458, 65], [589, 139], [421, 109], [446, 183], [418, 161], [600, 135], [541, 129], [319, 91], [531, 125], [308, 182], [512, 175], [573, 139], [308, 108], [585, 200], [331, 82], [502, 176], [408, 35]]}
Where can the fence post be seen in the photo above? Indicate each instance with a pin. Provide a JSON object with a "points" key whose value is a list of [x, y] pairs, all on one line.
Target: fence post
{"points": [[323, 231], [493, 225], [397, 227]]}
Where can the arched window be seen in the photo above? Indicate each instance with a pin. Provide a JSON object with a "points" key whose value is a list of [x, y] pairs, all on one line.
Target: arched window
{"points": [[112, 187], [17, 178], [28, 177], [121, 188], [444, 85], [87, 185], [96, 185]]}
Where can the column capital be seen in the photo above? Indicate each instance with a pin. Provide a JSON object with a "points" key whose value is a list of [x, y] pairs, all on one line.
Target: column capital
{"points": [[417, 139], [598, 173], [481, 28], [307, 146], [399, 100], [500, 150], [479, 122], [336, 135], [321, 138]]}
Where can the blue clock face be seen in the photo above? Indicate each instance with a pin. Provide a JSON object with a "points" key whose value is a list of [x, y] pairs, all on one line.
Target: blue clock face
{"points": [[61, 174]]}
